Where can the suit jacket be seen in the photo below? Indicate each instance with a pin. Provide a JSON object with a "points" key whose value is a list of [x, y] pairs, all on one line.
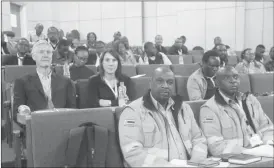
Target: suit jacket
{"points": [[13, 60], [173, 51], [98, 89], [161, 49], [28, 90]]}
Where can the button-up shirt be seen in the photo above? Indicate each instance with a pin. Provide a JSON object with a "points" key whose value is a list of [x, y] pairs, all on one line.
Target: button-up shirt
{"points": [[176, 145], [46, 83], [33, 37], [20, 60], [248, 68]]}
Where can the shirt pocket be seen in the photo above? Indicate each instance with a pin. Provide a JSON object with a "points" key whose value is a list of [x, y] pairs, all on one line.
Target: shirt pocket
{"points": [[149, 134]]}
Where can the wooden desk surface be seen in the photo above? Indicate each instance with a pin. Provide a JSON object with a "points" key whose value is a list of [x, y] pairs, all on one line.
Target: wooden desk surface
{"points": [[265, 162]]}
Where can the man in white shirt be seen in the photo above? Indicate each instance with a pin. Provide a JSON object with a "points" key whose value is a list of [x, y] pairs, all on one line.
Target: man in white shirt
{"points": [[37, 35], [53, 37]]}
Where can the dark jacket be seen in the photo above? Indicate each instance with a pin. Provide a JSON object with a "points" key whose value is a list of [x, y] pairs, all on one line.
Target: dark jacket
{"points": [[13, 60], [28, 90], [161, 49], [82, 72], [173, 51], [98, 89]]}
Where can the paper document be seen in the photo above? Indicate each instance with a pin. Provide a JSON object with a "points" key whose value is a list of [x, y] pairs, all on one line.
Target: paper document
{"points": [[263, 150], [183, 163], [138, 76]]}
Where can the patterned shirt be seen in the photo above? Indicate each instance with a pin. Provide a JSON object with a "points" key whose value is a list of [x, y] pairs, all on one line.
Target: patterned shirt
{"points": [[248, 68]]}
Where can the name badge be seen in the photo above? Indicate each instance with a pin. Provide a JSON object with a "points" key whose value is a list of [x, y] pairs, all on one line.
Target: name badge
{"points": [[255, 140]]}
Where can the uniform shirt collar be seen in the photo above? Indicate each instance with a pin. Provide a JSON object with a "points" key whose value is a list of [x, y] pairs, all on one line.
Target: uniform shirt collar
{"points": [[228, 100], [158, 106]]}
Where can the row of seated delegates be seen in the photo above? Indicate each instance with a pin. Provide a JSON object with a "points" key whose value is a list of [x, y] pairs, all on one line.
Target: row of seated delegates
{"points": [[43, 89], [152, 131], [157, 128], [248, 65], [22, 55], [110, 84], [269, 66], [201, 83], [233, 121]]}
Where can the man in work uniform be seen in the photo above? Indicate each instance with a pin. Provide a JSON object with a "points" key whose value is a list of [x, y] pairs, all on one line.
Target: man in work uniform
{"points": [[233, 121], [155, 129]]}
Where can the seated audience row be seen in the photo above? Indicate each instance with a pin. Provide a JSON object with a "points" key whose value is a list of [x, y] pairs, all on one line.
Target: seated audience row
{"points": [[157, 128]]}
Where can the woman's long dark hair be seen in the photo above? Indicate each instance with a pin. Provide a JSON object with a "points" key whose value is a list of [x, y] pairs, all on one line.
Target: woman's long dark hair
{"points": [[118, 72]]}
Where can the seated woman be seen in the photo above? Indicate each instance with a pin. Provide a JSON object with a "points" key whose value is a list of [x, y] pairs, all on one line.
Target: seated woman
{"points": [[248, 65], [126, 55], [105, 88]]}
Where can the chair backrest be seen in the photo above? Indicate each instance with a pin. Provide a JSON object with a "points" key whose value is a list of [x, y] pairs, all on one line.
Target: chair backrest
{"points": [[244, 83], [261, 83], [50, 132], [93, 68], [188, 59], [184, 69], [197, 58], [174, 59], [139, 87], [181, 86], [13, 72], [267, 105], [195, 106], [148, 69], [129, 70], [232, 60], [81, 93]]}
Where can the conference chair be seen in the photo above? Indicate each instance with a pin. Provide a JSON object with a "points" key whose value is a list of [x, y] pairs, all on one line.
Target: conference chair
{"points": [[59, 69], [139, 87], [181, 86], [129, 70], [81, 93], [174, 59], [197, 58], [267, 105], [148, 69], [184, 69], [244, 83], [187, 59], [49, 133], [195, 106], [12, 73], [261, 83]]}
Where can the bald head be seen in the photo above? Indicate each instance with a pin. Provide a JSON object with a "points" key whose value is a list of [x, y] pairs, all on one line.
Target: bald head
{"points": [[162, 84], [227, 79], [160, 71]]}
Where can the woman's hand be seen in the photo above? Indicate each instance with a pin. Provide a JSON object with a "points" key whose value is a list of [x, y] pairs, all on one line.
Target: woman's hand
{"points": [[104, 103]]}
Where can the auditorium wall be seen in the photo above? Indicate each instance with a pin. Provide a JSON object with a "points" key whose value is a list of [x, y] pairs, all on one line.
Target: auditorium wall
{"points": [[240, 24]]}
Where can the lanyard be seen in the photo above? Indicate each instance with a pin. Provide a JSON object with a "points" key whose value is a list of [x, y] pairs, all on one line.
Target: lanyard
{"points": [[115, 91]]}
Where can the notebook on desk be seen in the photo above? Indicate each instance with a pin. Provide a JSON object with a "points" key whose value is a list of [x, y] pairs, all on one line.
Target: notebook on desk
{"points": [[244, 159]]}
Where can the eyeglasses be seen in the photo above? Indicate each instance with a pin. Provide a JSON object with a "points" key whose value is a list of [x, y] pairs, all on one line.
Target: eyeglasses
{"points": [[82, 58]]}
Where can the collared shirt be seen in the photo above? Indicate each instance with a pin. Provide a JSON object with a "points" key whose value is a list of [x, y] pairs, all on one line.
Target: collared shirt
{"points": [[54, 46], [46, 83], [176, 145], [228, 100], [33, 37], [249, 68]]}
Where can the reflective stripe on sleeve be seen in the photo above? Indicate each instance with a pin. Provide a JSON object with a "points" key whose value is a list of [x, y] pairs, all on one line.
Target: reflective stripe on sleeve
{"points": [[128, 147]]}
